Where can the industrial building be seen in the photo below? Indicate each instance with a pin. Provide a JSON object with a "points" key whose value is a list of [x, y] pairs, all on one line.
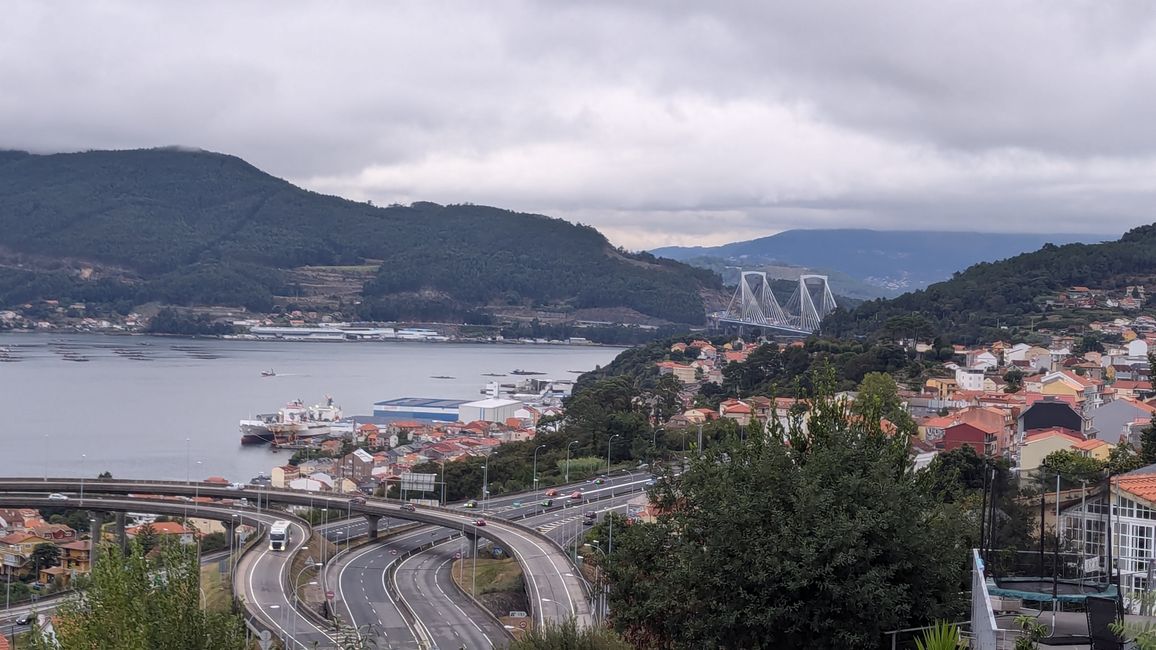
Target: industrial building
{"points": [[419, 408], [488, 410]]}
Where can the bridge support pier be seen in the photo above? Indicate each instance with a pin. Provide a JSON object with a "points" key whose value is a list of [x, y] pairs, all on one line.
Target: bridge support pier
{"points": [[121, 535], [373, 521], [95, 525]]}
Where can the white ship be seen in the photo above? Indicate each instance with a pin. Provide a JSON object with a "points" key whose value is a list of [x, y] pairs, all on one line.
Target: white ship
{"points": [[293, 421]]}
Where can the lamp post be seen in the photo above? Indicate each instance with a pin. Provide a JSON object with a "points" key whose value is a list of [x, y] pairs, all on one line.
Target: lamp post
{"points": [[485, 485], [280, 618], [601, 606], [443, 503], [46, 458], [609, 443], [296, 588], [82, 469], [186, 461], [568, 459], [536, 469]]}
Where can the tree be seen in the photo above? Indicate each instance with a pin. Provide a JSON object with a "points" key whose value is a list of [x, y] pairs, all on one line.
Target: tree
{"points": [[878, 396], [1089, 343], [147, 538], [1014, 379], [1073, 466], [45, 556], [214, 542], [1148, 444], [104, 474], [1123, 458], [821, 538], [132, 603]]}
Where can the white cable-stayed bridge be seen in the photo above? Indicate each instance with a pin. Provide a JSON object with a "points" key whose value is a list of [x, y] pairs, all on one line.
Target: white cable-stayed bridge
{"points": [[754, 305]]}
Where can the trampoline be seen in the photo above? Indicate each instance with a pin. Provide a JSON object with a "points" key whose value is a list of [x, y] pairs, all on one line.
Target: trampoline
{"points": [[1046, 590]]}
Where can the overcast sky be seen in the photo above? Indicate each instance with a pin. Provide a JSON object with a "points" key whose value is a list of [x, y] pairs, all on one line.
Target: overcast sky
{"points": [[658, 123]]}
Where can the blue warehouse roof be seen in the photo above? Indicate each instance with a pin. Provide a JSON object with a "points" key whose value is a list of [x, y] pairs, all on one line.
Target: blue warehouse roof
{"points": [[423, 402]]}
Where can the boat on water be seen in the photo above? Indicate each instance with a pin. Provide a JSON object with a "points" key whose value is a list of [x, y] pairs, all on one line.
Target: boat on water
{"points": [[268, 373], [441, 377], [292, 422], [519, 371]]}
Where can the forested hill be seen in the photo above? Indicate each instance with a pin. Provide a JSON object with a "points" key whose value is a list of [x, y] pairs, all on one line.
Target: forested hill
{"points": [[193, 227], [976, 304]]}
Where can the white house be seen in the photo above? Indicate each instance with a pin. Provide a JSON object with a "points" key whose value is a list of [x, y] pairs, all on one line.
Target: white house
{"points": [[970, 379], [1017, 352], [1138, 348]]}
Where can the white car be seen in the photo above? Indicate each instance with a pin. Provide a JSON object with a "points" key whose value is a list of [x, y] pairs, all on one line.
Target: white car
{"points": [[56, 496]]}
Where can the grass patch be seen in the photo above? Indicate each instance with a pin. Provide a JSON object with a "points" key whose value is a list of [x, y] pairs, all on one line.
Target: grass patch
{"points": [[218, 593], [493, 576]]}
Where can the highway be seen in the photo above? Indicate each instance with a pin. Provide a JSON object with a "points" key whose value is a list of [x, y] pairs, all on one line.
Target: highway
{"points": [[555, 592], [258, 578], [446, 618]]}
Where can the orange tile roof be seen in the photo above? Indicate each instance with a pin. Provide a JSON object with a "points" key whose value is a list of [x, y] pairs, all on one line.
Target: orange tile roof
{"points": [[1041, 434], [1089, 445], [1142, 485]]}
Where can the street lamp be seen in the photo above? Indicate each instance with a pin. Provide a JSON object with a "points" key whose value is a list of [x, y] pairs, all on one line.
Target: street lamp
{"points": [[536, 469], [608, 445], [296, 588], [46, 458], [82, 468], [186, 461], [485, 485], [443, 481], [601, 605], [568, 459]]}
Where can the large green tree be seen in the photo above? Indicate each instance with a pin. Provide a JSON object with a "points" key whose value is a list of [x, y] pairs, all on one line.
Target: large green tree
{"points": [[822, 538], [134, 603]]}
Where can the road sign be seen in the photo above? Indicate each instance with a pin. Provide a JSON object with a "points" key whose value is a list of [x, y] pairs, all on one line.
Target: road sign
{"points": [[523, 625], [411, 482], [266, 640], [329, 595], [517, 614], [458, 556]]}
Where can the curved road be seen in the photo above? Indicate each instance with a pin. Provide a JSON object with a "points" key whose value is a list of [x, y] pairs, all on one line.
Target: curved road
{"points": [[447, 617]]}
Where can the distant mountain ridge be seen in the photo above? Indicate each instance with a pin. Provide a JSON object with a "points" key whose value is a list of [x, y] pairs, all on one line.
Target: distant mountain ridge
{"points": [[1015, 298], [895, 261], [190, 227]]}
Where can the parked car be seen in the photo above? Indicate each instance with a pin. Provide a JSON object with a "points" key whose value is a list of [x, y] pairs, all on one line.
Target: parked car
{"points": [[551, 492], [409, 507], [471, 504], [56, 496], [479, 522], [546, 503], [576, 494], [357, 501]]}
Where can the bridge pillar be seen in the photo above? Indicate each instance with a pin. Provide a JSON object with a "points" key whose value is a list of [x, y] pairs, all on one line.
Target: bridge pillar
{"points": [[121, 535], [95, 525], [373, 521]]}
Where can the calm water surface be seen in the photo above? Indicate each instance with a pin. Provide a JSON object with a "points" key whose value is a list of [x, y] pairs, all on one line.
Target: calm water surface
{"points": [[131, 406]]}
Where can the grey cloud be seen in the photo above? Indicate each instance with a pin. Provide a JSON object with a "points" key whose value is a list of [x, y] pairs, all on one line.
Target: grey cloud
{"points": [[661, 122]]}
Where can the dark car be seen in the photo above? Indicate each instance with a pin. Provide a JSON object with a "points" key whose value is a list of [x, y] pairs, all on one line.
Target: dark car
{"points": [[479, 522], [26, 619], [546, 503], [409, 507]]}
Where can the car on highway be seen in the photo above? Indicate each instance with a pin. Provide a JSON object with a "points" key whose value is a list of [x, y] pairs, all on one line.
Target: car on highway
{"points": [[649, 482], [25, 619], [357, 501], [551, 492], [236, 486], [589, 517], [546, 503], [409, 507], [599, 481], [56, 496], [576, 494], [471, 504], [479, 522]]}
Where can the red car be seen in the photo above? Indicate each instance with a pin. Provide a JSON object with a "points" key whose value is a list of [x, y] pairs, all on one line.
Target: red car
{"points": [[480, 522], [551, 492], [577, 494]]}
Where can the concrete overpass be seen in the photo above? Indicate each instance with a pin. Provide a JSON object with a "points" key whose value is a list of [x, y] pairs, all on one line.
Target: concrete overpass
{"points": [[555, 588]]}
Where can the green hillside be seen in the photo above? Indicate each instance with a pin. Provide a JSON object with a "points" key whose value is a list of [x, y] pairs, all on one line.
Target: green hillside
{"points": [[192, 227], [979, 302]]}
